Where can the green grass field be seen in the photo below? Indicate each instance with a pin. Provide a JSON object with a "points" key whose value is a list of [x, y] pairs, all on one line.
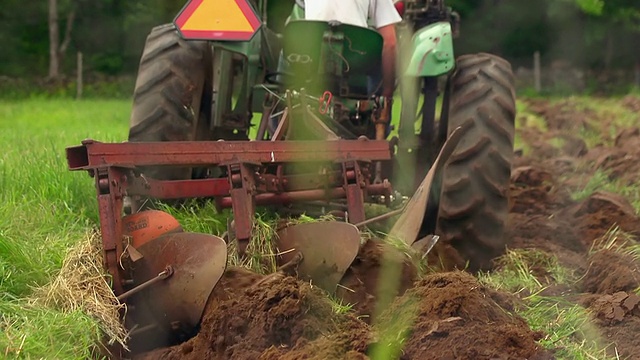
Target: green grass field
{"points": [[46, 209]]}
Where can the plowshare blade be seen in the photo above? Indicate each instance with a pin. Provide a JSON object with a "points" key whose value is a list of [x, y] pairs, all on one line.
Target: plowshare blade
{"points": [[408, 225], [328, 249], [198, 262], [425, 245]]}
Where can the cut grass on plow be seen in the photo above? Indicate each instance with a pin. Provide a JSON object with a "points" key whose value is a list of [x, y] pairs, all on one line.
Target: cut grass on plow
{"points": [[82, 285]]}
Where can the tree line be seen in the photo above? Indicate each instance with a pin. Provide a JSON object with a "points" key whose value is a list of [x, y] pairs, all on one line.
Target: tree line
{"points": [[40, 38]]}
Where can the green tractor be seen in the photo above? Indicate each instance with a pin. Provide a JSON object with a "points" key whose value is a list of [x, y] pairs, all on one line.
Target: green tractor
{"points": [[198, 85], [223, 63]]}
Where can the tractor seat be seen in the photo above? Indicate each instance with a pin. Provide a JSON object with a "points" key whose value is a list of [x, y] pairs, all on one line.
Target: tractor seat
{"points": [[331, 56]]}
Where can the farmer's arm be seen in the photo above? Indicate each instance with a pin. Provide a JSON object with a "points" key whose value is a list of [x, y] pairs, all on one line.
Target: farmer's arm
{"points": [[385, 17], [388, 59]]}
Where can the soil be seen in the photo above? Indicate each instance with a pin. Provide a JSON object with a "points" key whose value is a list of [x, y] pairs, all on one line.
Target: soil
{"points": [[455, 317], [618, 317], [608, 286], [450, 314], [544, 217], [611, 272], [360, 285], [251, 316]]}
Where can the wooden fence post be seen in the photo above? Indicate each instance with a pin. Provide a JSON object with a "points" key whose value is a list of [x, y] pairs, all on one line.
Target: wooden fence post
{"points": [[536, 71], [79, 79]]}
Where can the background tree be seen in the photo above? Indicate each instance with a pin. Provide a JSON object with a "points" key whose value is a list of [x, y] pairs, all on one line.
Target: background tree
{"points": [[57, 50], [36, 35]]}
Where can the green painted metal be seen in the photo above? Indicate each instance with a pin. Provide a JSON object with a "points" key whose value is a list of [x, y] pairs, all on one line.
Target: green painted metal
{"points": [[260, 52], [335, 58], [256, 54], [296, 14], [252, 54], [432, 51], [348, 54]]}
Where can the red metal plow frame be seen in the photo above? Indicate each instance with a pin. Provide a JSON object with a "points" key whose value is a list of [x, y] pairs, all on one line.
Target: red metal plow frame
{"points": [[114, 167]]}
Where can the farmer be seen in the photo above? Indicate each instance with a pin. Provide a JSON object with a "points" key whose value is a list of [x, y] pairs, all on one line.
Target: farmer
{"points": [[383, 16]]}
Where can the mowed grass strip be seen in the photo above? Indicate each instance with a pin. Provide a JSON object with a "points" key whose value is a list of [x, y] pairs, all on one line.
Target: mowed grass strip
{"points": [[44, 211]]}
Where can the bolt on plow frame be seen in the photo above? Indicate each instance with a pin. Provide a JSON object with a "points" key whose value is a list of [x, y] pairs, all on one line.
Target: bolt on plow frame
{"points": [[323, 137]]}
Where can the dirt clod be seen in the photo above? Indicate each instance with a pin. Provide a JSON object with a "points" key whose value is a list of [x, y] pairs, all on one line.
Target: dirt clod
{"points": [[612, 309], [611, 272]]}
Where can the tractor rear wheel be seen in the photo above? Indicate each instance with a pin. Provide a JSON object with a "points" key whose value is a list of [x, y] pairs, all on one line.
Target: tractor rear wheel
{"points": [[171, 100], [473, 206]]}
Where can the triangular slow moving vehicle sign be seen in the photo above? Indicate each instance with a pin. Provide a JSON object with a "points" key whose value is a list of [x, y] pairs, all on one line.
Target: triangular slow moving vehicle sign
{"points": [[220, 20]]}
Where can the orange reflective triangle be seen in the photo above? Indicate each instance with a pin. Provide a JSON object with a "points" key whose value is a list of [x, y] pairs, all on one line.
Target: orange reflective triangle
{"points": [[218, 20]]}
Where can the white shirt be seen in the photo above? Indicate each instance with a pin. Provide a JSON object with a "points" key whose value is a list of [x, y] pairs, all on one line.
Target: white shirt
{"points": [[353, 12]]}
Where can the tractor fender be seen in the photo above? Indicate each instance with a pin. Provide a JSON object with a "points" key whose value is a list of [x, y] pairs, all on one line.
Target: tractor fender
{"points": [[431, 51]]}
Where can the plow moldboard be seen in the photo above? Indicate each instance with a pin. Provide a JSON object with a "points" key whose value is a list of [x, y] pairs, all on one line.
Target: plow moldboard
{"points": [[198, 262], [328, 249]]}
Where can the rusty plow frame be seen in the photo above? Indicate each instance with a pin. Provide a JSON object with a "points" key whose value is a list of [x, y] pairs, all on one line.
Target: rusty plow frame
{"points": [[167, 275]]}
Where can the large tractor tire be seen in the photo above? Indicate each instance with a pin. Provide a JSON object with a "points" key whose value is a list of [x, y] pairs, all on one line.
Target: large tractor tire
{"points": [[473, 206], [172, 99]]}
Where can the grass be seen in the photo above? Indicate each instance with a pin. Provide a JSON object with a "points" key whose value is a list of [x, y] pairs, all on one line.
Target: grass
{"points": [[525, 118], [521, 269], [35, 332], [617, 240], [605, 116], [198, 217], [568, 328], [621, 242], [261, 253], [606, 108], [44, 211], [82, 286], [600, 181], [338, 305]]}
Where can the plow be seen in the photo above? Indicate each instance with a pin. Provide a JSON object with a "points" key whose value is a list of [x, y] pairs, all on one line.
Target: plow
{"points": [[324, 142]]}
